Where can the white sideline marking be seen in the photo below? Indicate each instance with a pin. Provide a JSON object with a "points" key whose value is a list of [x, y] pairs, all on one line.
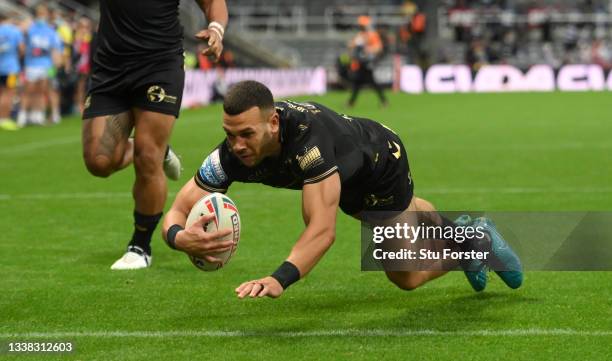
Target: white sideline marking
{"points": [[47, 196], [516, 190], [475, 190], [315, 333], [510, 147], [32, 146], [28, 147]]}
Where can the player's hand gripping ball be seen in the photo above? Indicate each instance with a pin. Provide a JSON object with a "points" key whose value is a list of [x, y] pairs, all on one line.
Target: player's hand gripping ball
{"points": [[225, 217]]}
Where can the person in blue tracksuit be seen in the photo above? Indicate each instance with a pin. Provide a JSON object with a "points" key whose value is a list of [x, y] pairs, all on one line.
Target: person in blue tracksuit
{"points": [[11, 48], [43, 54]]}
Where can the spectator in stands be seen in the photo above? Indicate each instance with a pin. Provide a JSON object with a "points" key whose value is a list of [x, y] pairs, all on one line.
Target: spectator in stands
{"points": [[227, 59], [43, 51], [11, 48], [61, 78], [412, 34], [365, 47], [339, 16], [82, 59]]}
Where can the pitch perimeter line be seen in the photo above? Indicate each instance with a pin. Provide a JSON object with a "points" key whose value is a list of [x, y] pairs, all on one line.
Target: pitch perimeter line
{"points": [[118, 195], [315, 333]]}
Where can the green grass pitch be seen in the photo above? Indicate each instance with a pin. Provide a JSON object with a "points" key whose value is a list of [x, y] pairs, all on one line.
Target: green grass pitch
{"points": [[62, 229]]}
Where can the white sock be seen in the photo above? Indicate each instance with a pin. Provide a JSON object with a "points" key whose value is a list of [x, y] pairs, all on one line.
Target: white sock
{"points": [[38, 117], [22, 118], [56, 117]]}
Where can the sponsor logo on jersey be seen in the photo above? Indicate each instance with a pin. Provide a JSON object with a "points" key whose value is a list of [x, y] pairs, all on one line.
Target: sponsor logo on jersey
{"points": [[211, 170], [157, 94], [310, 159], [302, 107]]}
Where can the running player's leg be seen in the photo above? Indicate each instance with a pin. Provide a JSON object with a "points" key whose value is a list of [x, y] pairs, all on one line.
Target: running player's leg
{"points": [[150, 142], [106, 144], [150, 189], [155, 105]]}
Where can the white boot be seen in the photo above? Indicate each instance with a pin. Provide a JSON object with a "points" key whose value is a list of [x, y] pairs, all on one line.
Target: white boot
{"points": [[172, 165], [134, 258]]}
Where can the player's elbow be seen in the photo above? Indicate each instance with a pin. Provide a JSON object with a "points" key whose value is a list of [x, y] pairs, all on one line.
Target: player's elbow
{"points": [[329, 237]]}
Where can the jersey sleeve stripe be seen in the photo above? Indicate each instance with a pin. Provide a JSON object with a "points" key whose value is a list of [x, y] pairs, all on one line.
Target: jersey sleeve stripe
{"points": [[208, 188], [320, 177]]}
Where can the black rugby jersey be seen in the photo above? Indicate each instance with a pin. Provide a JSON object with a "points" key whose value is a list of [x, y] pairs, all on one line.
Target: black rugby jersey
{"points": [[133, 31], [316, 142]]}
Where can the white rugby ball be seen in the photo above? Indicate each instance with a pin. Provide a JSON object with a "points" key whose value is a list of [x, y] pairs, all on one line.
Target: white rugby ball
{"points": [[226, 217]]}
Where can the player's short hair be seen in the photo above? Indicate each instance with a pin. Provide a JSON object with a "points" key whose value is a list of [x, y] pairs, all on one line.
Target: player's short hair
{"points": [[244, 95]]}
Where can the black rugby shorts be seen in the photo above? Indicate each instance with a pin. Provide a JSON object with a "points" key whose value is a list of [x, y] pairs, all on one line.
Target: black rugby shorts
{"points": [[155, 86]]}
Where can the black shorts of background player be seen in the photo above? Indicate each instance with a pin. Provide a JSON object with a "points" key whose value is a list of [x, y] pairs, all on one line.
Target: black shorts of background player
{"points": [[136, 84]]}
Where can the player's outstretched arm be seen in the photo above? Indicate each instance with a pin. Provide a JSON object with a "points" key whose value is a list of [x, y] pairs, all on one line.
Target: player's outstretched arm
{"points": [[216, 13], [319, 206], [193, 240]]}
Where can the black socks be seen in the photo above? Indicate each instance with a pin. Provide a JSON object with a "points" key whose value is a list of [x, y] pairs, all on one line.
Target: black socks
{"points": [[144, 226]]}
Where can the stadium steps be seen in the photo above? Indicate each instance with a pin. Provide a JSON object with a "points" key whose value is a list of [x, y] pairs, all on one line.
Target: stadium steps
{"points": [[253, 55], [10, 8], [304, 51]]}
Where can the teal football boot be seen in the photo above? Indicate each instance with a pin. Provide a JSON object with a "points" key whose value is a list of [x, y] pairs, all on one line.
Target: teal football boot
{"points": [[505, 262], [475, 271]]}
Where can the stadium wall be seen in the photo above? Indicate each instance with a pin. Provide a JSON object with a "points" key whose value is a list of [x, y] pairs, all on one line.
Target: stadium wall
{"points": [[282, 82], [444, 78]]}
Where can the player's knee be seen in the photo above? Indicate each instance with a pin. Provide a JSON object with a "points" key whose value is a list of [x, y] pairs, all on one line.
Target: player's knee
{"points": [[98, 165], [427, 212], [407, 285], [406, 282], [148, 160]]}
